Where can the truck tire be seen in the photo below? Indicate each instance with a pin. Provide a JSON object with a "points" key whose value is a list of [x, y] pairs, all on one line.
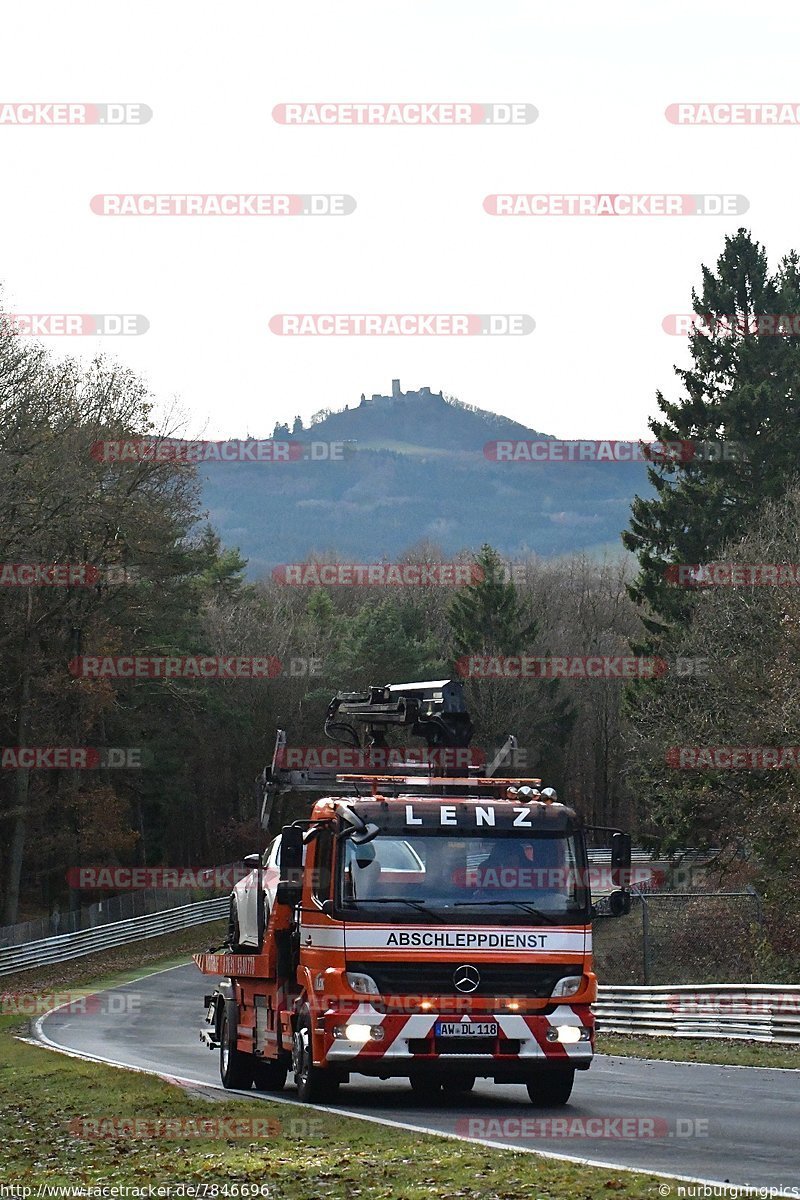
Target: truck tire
{"points": [[315, 1085], [550, 1089], [270, 1075], [235, 1068]]}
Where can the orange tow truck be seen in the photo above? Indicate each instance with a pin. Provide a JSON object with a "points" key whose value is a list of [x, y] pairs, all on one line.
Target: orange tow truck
{"points": [[420, 925]]}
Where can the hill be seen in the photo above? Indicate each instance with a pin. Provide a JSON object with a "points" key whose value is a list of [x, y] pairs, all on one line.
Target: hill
{"points": [[414, 467]]}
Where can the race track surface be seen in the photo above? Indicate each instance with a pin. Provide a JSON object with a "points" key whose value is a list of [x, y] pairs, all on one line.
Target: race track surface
{"points": [[724, 1124]]}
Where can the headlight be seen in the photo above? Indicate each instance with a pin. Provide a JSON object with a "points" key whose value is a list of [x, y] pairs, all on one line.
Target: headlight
{"points": [[365, 985], [568, 986]]}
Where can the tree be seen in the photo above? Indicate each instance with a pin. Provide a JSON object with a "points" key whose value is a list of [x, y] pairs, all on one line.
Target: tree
{"points": [[742, 397], [222, 574], [385, 642], [743, 691], [60, 504], [297, 428], [489, 617]]}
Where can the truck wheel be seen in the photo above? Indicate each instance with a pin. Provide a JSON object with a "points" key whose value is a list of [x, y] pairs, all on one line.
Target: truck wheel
{"points": [[551, 1088], [270, 1076], [455, 1084], [235, 1068], [314, 1085]]}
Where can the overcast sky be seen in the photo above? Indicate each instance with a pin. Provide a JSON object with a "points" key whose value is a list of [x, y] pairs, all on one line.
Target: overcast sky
{"points": [[419, 241]]}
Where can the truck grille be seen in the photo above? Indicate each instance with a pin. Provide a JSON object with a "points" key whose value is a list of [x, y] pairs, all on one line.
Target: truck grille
{"points": [[436, 978], [464, 1046]]}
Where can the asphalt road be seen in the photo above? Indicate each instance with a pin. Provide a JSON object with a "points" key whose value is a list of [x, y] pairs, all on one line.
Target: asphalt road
{"points": [[722, 1124]]}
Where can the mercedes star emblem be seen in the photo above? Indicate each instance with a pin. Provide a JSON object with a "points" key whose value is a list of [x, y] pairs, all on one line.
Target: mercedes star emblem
{"points": [[466, 978]]}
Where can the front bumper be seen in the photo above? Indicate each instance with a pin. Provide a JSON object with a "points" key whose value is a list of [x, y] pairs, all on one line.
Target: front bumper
{"points": [[409, 1041]]}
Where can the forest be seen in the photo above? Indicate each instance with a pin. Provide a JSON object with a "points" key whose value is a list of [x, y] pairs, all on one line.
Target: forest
{"points": [[111, 559]]}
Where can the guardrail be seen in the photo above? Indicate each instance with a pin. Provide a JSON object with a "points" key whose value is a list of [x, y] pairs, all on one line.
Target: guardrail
{"points": [[106, 937], [759, 1012]]}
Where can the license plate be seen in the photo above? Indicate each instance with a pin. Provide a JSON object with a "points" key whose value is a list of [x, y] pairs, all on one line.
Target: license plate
{"points": [[466, 1029]]}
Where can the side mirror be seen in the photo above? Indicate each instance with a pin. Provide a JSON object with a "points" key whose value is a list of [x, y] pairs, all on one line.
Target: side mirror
{"points": [[290, 885], [353, 827], [619, 903], [365, 835], [253, 861]]}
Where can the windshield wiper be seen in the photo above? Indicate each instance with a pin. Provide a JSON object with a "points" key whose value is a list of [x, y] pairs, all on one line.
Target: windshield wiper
{"points": [[548, 918], [419, 905]]}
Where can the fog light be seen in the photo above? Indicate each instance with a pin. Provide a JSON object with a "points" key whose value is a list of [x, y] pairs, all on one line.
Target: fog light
{"points": [[568, 1033], [357, 1033]]}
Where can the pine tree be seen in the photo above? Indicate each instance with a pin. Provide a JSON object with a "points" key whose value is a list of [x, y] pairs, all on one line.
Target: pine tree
{"points": [[742, 397], [487, 617]]}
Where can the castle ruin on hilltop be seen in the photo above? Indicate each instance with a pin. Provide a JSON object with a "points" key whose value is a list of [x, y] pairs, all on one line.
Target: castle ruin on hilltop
{"points": [[424, 393]]}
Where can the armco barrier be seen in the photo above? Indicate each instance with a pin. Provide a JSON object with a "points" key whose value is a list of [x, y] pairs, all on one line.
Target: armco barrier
{"points": [[759, 1012], [106, 937]]}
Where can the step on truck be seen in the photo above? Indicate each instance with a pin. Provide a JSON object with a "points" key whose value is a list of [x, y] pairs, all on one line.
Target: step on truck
{"points": [[424, 922]]}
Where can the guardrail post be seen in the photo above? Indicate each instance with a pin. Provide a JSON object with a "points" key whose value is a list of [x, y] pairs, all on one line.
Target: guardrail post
{"points": [[645, 939]]}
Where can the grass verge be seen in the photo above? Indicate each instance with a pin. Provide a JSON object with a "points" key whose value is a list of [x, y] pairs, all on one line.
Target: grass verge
{"points": [[296, 1153], [715, 1050]]}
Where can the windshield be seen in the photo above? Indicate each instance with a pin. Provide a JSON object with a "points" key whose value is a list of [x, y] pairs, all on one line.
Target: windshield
{"points": [[444, 875]]}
